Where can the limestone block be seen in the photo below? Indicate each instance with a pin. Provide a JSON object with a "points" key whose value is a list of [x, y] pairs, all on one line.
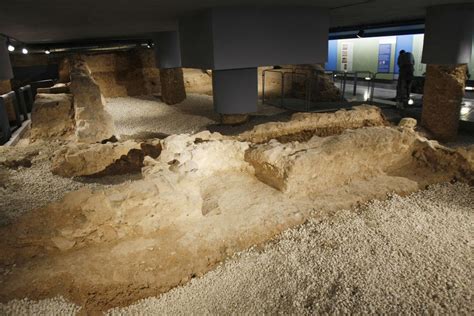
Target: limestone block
{"points": [[102, 159], [407, 122], [52, 116], [93, 123], [303, 126], [324, 163], [199, 155], [443, 93], [172, 86]]}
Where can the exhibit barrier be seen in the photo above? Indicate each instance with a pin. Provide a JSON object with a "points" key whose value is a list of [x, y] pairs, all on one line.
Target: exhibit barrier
{"points": [[284, 91], [16, 106]]}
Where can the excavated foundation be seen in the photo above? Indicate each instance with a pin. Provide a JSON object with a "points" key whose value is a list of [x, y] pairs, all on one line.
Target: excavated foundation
{"points": [[204, 197]]}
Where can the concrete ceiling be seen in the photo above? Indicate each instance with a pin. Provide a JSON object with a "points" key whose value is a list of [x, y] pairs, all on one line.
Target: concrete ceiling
{"points": [[49, 21]]}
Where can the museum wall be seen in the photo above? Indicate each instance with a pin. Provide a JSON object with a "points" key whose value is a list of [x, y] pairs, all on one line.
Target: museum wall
{"points": [[365, 53]]}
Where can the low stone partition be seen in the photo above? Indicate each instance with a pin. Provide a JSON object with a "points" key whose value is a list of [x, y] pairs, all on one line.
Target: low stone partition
{"points": [[326, 162], [303, 126]]}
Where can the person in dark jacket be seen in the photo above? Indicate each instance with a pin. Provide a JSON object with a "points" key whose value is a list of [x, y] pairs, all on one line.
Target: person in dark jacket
{"points": [[406, 65]]}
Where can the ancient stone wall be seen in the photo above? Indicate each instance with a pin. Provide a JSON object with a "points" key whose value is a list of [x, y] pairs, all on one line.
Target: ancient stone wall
{"points": [[120, 74]]}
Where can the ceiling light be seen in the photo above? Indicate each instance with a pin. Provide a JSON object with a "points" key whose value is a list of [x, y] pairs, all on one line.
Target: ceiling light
{"points": [[361, 34], [470, 88], [11, 48], [411, 102], [367, 78], [47, 52], [24, 50]]}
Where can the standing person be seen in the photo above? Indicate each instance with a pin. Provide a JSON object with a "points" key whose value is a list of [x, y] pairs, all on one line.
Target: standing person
{"points": [[406, 64]]}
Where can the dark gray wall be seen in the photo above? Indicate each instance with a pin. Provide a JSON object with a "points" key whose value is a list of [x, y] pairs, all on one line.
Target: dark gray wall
{"points": [[232, 38], [235, 91], [448, 34], [6, 72], [167, 49]]}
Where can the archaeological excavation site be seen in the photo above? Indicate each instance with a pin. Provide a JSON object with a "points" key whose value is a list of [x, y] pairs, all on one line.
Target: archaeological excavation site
{"points": [[184, 158]]}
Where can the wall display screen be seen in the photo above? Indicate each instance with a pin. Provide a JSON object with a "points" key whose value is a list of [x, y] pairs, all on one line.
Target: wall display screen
{"points": [[385, 55]]}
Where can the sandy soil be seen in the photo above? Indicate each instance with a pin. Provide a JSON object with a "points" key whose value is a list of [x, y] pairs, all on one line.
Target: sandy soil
{"points": [[404, 255]]}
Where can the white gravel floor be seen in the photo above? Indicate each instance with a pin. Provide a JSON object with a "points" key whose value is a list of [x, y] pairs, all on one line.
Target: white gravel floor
{"points": [[144, 116], [404, 255]]}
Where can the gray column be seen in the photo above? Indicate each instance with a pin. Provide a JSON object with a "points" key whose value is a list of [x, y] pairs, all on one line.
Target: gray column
{"points": [[6, 72], [167, 50], [235, 91]]}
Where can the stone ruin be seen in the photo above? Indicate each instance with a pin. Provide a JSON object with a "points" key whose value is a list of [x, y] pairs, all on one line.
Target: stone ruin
{"points": [[206, 196], [93, 123], [72, 111]]}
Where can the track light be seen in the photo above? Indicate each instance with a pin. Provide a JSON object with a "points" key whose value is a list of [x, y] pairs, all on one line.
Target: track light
{"points": [[361, 34], [24, 50], [11, 48], [47, 52]]}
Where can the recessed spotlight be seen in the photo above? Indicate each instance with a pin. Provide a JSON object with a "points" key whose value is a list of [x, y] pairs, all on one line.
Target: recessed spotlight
{"points": [[47, 52], [411, 102], [368, 78], [24, 50], [11, 48]]}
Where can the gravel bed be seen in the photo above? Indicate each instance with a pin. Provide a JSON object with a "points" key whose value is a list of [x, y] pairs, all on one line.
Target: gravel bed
{"points": [[54, 306], [146, 116], [403, 255]]}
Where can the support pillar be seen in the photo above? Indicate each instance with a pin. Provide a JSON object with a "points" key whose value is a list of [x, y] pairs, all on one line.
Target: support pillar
{"points": [[168, 59], [6, 72], [443, 93], [447, 49], [235, 94], [172, 85]]}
